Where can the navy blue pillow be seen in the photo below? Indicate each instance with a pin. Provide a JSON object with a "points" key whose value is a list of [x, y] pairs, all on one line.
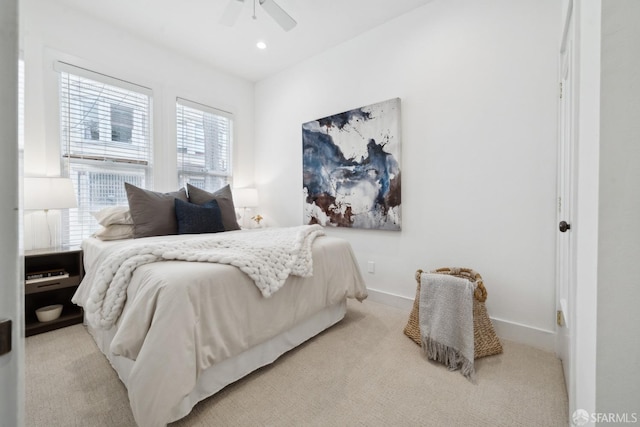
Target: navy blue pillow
{"points": [[196, 219]]}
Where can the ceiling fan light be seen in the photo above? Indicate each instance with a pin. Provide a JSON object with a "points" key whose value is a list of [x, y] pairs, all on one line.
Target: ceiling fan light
{"points": [[278, 14]]}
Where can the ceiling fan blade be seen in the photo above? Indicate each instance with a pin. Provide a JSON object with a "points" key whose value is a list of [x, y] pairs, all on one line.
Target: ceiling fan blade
{"points": [[231, 12], [278, 14]]}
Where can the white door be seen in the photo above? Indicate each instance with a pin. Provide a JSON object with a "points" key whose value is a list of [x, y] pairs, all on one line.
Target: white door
{"points": [[565, 268], [11, 362]]}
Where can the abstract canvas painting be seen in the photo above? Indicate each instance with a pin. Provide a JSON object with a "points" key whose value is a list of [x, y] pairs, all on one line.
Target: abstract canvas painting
{"points": [[351, 168]]}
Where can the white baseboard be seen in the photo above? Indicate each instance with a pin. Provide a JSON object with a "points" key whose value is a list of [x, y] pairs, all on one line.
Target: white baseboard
{"points": [[517, 332], [392, 300], [511, 331]]}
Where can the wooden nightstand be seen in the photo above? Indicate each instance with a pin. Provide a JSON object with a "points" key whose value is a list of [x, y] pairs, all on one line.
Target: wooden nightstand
{"points": [[52, 290]]}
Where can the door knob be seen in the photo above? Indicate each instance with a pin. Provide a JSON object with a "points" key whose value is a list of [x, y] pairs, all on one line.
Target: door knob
{"points": [[564, 226]]}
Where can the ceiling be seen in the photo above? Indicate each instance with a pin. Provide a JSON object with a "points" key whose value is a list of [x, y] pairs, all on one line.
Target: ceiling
{"points": [[193, 28]]}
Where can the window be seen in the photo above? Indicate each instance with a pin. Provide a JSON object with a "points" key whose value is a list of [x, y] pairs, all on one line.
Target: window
{"points": [[121, 123], [105, 138], [90, 123], [204, 137]]}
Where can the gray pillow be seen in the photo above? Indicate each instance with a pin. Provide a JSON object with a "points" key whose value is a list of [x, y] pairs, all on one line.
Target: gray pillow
{"points": [[225, 201], [153, 213]]}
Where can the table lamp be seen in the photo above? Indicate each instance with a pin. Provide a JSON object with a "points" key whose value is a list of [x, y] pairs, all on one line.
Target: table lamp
{"points": [[44, 193], [244, 198]]}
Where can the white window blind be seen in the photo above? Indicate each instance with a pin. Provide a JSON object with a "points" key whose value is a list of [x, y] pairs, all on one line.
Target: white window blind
{"points": [[204, 138], [105, 137]]}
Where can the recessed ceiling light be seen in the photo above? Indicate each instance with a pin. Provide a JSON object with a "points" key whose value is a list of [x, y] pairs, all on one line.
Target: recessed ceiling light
{"points": [[261, 45]]}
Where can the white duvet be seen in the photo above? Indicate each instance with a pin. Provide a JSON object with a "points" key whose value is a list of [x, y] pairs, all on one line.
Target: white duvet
{"points": [[180, 318], [267, 256]]}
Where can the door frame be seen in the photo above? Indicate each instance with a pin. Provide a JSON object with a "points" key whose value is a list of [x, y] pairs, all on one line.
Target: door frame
{"points": [[588, 29], [586, 61], [566, 202], [11, 292]]}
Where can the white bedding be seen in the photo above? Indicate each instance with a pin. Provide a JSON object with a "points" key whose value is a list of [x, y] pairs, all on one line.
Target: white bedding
{"points": [[268, 256], [182, 319]]}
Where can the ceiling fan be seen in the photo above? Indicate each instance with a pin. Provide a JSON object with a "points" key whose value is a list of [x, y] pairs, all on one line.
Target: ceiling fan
{"points": [[234, 7]]}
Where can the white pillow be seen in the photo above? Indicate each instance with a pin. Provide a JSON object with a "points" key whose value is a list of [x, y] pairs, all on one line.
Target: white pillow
{"points": [[115, 232], [113, 215]]}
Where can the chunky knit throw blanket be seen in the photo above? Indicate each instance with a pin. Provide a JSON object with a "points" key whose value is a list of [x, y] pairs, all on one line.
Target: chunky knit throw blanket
{"points": [[446, 321], [268, 256]]}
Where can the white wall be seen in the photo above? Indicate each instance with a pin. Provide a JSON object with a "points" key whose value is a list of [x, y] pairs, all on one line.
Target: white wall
{"points": [[478, 84], [618, 348]]}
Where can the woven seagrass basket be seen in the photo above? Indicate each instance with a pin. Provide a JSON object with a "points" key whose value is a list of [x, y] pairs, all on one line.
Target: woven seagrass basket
{"points": [[486, 341]]}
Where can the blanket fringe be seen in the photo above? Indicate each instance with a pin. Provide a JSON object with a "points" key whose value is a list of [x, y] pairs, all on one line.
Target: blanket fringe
{"points": [[448, 356]]}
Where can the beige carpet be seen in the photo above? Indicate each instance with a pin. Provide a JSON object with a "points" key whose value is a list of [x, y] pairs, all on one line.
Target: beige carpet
{"points": [[361, 372]]}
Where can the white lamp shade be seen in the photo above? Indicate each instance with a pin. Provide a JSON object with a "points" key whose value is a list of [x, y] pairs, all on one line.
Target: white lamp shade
{"points": [[44, 193], [245, 197]]}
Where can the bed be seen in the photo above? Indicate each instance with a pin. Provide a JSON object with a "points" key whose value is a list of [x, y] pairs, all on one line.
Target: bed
{"points": [[188, 328]]}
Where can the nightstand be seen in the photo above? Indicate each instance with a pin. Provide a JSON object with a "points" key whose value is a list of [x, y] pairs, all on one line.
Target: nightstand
{"points": [[65, 270]]}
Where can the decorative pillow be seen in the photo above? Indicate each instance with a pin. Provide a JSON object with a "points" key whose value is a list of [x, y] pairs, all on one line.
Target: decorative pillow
{"points": [[115, 232], [153, 213], [113, 215], [225, 201], [195, 219]]}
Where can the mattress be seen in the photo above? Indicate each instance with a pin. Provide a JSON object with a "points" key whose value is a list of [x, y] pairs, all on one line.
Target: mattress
{"points": [[187, 329]]}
